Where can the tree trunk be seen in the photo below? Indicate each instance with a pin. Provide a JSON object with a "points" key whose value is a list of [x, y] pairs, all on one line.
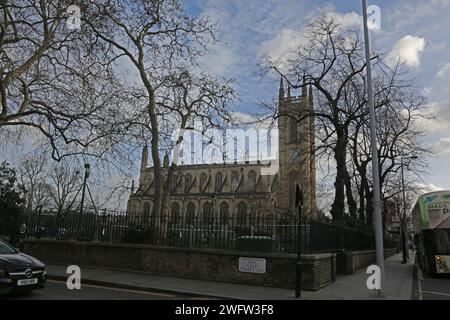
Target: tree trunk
{"points": [[384, 213], [340, 154], [369, 206], [362, 196], [350, 198], [164, 205], [166, 186], [157, 170]]}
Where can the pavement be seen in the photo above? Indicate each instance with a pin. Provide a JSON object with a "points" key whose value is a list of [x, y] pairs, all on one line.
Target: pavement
{"points": [[399, 283]]}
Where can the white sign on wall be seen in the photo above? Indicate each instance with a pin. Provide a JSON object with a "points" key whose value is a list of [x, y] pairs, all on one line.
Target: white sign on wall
{"points": [[252, 265]]}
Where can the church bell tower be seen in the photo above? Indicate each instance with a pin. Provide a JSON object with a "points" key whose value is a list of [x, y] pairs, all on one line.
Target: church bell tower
{"points": [[296, 148]]}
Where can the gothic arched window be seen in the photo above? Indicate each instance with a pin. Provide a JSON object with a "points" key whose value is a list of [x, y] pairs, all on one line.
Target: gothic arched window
{"points": [[190, 214], [208, 218], [147, 214], [252, 181], [176, 182], [293, 134], [224, 213], [234, 181], [292, 181], [146, 208], [146, 211], [187, 182], [242, 213], [175, 215], [203, 182], [219, 181], [252, 215]]}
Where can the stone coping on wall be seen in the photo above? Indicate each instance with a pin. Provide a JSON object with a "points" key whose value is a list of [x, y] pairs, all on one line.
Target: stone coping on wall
{"points": [[309, 256]]}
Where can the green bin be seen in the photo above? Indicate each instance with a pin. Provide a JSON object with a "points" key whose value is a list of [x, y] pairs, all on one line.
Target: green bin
{"points": [[255, 243]]}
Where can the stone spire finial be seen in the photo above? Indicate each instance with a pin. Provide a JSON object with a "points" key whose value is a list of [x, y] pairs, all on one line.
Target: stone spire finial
{"points": [[281, 93], [144, 159], [304, 88]]}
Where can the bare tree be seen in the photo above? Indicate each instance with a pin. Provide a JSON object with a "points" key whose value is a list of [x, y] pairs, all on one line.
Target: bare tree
{"points": [[398, 135], [53, 79], [32, 176], [42, 195], [329, 59], [332, 61], [161, 43], [65, 181]]}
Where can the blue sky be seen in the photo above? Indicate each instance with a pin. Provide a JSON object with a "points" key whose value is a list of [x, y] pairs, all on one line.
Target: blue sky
{"points": [[416, 31]]}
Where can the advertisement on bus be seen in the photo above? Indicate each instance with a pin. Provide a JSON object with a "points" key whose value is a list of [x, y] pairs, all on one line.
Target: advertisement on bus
{"points": [[435, 211]]}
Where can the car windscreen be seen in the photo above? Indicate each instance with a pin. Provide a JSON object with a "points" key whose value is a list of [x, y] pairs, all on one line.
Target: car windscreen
{"points": [[6, 249]]}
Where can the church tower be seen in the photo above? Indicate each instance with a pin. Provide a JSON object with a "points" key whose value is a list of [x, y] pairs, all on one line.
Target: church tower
{"points": [[296, 148]]}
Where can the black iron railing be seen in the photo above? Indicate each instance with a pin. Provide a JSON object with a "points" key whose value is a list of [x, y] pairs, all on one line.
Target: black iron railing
{"points": [[259, 232]]}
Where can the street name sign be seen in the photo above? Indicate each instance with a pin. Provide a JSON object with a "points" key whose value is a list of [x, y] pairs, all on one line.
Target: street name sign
{"points": [[252, 265]]}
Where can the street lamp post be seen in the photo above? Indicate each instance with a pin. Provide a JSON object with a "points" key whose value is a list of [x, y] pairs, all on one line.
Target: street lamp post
{"points": [[403, 228], [87, 168], [298, 267], [375, 162]]}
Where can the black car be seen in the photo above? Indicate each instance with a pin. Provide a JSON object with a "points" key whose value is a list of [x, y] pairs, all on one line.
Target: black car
{"points": [[18, 271]]}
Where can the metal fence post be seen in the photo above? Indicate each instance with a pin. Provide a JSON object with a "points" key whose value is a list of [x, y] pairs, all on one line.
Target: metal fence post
{"points": [[298, 266]]}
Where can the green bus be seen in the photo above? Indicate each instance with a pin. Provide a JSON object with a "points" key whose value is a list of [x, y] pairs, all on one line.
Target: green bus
{"points": [[431, 222]]}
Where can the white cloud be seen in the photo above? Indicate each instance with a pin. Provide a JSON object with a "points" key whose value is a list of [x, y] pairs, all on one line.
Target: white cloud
{"points": [[288, 39], [407, 50], [407, 12], [428, 187], [346, 20], [442, 146], [242, 26], [221, 61], [282, 44], [436, 117], [242, 117], [444, 72]]}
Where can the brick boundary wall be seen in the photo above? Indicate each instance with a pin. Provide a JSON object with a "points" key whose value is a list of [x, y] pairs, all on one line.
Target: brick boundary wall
{"points": [[350, 261], [319, 270], [361, 259]]}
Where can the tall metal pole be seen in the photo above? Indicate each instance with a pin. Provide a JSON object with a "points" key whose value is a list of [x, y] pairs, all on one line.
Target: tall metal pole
{"points": [[402, 216], [86, 176], [375, 164], [298, 269], [298, 266]]}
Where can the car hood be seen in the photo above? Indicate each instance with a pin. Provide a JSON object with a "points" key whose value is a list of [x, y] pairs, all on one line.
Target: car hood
{"points": [[19, 260]]}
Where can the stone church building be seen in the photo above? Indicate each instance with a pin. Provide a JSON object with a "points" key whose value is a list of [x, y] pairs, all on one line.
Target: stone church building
{"points": [[221, 194]]}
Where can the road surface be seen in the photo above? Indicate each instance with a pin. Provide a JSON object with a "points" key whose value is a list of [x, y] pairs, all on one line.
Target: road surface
{"points": [[435, 288], [432, 287], [57, 290]]}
